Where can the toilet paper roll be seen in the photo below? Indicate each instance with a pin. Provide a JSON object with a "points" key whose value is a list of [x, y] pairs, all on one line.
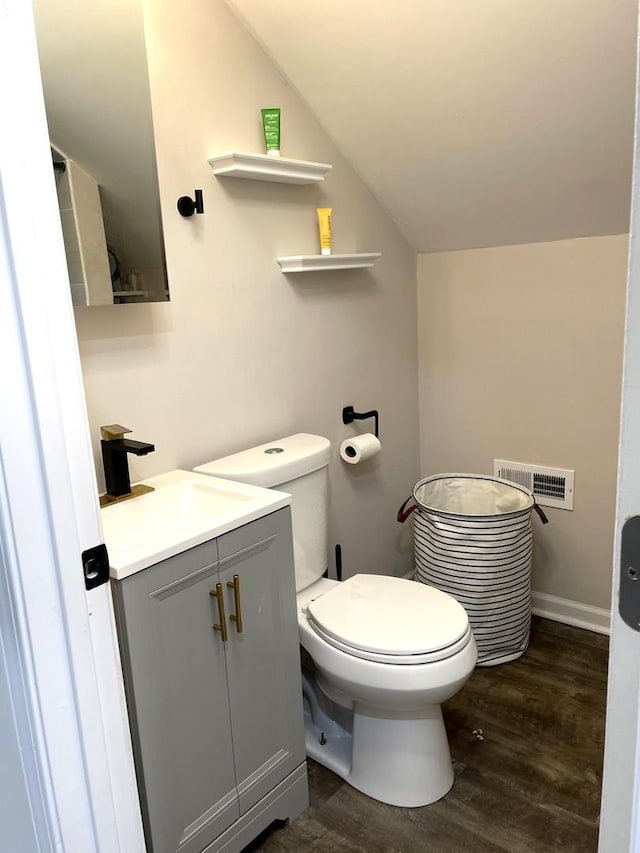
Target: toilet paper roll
{"points": [[360, 448]]}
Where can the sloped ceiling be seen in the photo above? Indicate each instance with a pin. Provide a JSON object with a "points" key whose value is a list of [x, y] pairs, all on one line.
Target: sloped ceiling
{"points": [[474, 122]]}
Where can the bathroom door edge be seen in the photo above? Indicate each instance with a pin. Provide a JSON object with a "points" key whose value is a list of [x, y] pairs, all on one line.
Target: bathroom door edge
{"points": [[620, 813], [65, 668]]}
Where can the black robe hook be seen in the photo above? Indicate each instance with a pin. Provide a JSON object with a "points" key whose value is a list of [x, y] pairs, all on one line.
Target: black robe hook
{"points": [[188, 206]]}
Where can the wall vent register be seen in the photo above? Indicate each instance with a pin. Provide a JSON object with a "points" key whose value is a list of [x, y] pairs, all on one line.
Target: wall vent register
{"points": [[550, 486]]}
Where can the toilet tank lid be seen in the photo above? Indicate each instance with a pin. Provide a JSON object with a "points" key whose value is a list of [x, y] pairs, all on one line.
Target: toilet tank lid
{"points": [[274, 463]]}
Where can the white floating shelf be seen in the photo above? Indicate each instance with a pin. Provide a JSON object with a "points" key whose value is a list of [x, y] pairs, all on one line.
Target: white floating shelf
{"points": [[313, 263], [259, 167]]}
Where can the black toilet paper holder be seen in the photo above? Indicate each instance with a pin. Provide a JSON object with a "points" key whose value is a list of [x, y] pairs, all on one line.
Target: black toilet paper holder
{"points": [[349, 416]]}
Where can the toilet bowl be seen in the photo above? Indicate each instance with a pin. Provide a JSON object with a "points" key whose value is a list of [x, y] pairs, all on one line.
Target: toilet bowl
{"points": [[372, 715], [380, 653]]}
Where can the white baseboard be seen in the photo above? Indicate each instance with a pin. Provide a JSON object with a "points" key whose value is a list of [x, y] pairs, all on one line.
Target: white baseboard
{"points": [[571, 612]]}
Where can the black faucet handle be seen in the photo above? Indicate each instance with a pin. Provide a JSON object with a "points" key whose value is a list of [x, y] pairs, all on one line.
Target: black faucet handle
{"points": [[113, 431]]}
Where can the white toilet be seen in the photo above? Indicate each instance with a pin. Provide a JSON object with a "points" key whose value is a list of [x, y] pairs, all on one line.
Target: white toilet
{"points": [[380, 653]]}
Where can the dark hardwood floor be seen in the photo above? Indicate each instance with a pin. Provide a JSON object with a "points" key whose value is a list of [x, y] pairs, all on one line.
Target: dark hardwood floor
{"points": [[529, 782]]}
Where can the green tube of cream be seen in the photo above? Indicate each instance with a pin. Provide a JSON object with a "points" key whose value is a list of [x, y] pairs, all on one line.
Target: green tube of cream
{"points": [[271, 128]]}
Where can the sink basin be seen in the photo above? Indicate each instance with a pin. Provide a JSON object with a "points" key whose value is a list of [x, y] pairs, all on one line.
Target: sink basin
{"points": [[185, 510]]}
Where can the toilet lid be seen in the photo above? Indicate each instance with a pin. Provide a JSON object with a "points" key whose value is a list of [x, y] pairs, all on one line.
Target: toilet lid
{"points": [[388, 616]]}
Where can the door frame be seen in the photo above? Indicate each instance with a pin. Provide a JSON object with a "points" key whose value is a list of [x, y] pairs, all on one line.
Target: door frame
{"points": [[58, 638], [619, 825]]}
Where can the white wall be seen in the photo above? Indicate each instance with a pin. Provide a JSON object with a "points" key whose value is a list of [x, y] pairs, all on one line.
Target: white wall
{"points": [[243, 354], [521, 359]]}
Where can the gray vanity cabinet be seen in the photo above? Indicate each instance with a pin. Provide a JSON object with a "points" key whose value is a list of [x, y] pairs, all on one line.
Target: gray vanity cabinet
{"points": [[265, 700], [217, 724]]}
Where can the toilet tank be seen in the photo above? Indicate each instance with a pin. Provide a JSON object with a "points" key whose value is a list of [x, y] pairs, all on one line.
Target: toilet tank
{"points": [[296, 464]]}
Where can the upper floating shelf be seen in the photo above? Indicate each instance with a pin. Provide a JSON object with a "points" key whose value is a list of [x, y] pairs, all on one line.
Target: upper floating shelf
{"points": [[314, 263], [259, 167]]}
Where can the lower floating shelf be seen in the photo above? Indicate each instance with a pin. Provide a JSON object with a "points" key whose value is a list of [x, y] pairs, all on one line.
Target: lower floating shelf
{"points": [[127, 294], [315, 263]]}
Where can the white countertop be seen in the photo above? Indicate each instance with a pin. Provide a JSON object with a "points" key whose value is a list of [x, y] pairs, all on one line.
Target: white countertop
{"points": [[184, 510]]}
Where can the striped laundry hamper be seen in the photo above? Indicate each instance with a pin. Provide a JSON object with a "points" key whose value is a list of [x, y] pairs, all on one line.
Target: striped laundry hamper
{"points": [[474, 539]]}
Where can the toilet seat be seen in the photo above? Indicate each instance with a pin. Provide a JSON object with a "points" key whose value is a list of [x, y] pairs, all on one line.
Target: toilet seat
{"points": [[390, 620]]}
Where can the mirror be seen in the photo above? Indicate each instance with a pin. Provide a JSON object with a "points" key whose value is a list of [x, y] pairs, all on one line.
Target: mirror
{"points": [[96, 89]]}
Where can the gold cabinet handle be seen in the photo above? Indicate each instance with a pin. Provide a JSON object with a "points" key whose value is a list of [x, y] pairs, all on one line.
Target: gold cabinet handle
{"points": [[222, 624], [237, 616]]}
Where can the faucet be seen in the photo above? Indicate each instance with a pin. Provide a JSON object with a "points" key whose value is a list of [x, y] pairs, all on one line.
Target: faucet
{"points": [[114, 457]]}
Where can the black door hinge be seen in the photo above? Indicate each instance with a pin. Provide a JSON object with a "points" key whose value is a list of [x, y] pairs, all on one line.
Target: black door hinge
{"points": [[629, 596], [95, 565]]}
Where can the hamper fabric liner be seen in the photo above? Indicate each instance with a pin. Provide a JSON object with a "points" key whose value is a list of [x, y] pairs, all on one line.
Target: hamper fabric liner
{"points": [[474, 540]]}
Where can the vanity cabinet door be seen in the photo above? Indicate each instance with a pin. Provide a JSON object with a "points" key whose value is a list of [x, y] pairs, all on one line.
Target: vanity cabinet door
{"points": [[263, 661], [176, 682]]}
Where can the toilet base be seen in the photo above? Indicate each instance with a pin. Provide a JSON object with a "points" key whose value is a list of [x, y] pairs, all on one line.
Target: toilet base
{"points": [[402, 760]]}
